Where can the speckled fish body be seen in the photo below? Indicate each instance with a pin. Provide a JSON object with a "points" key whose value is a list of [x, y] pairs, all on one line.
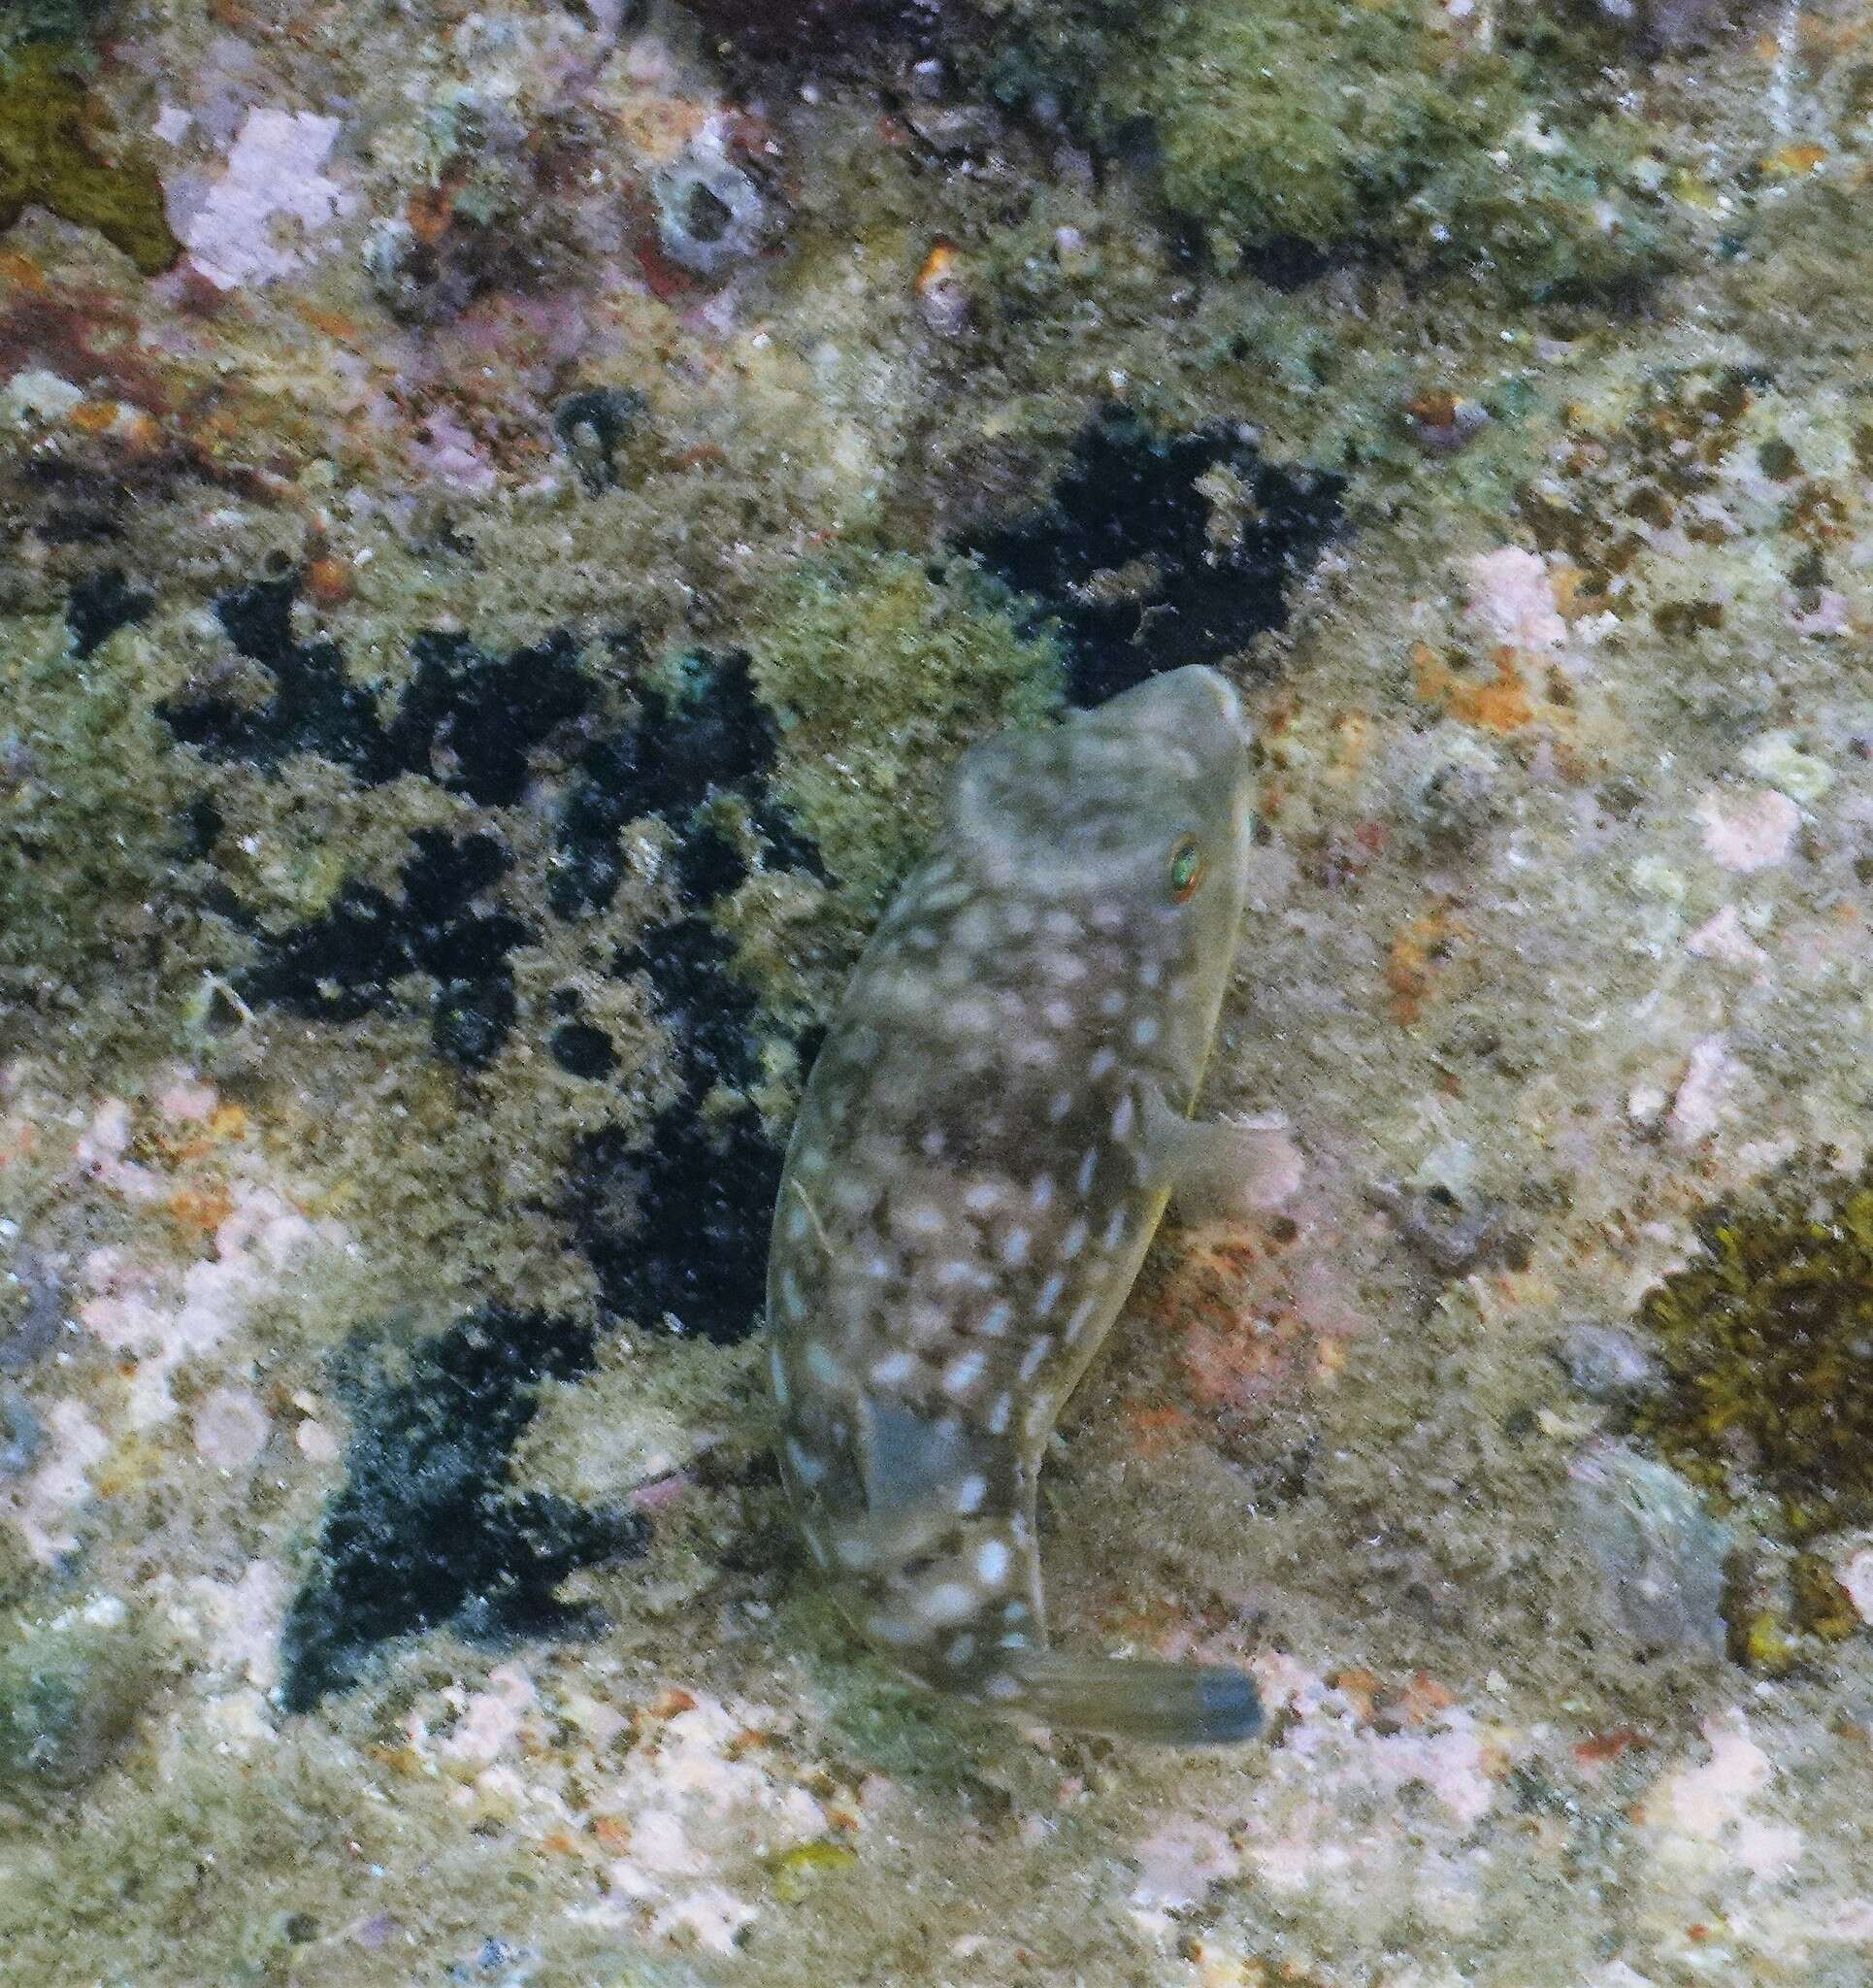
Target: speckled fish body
{"points": [[984, 1149]]}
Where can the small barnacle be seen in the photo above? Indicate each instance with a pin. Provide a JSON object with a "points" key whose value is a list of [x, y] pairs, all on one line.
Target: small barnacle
{"points": [[590, 425], [709, 212], [943, 299], [1766, 1341], [1442, 423]]}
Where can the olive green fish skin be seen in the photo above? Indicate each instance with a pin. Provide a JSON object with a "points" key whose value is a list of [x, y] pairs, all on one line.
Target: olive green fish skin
{"points": [[983, 1151]]}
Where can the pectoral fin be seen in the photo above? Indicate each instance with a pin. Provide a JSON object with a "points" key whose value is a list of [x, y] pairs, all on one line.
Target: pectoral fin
{"points": [[1223, 1169]]}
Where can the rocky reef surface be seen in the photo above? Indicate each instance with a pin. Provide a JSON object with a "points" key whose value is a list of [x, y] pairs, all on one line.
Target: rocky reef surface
{"points": [[506, 513]]}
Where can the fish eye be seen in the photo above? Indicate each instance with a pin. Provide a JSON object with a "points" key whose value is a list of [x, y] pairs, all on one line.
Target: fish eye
{"points": [[1186, 869]]}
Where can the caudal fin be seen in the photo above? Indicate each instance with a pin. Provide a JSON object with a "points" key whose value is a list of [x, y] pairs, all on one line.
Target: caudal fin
{"points": [[1174, 1705]]}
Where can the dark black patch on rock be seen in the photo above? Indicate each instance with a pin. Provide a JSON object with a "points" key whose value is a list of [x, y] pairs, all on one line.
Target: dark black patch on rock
{"points": [[344, 963], [1126, 510], [708, 865], [706, 1010], [470, 719], [98, 606], [787, 849], [198, 829], [715, 738], [425, 1530], [335, 967], [315, 706], [466, 720], [755, 35], [677, 1227], [582, 1049]]}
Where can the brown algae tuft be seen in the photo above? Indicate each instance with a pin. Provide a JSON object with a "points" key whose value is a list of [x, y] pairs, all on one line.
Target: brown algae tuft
{"points": [[48, 159], [1766, 1341]]}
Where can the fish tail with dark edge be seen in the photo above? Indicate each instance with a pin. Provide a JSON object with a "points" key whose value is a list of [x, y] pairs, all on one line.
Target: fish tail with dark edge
{"points": [[1172, 1705]]}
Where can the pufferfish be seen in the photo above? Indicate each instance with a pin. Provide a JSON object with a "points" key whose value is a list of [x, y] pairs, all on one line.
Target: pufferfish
{"points": [[988, 1139]]}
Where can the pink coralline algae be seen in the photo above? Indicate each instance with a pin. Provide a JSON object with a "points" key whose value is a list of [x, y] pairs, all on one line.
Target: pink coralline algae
{"points": [[272, 190]]}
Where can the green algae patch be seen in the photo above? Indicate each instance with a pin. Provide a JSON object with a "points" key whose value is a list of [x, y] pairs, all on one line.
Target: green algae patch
{"points": [[880, 669], [69, 1692], [1333, 124], [1767, 1345], [91, 810], [795, 1871], [48, 158]]}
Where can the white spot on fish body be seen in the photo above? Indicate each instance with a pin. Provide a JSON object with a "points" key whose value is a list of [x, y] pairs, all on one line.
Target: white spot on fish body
{"points": [[973, 1015], [971, 1493], [1015, 1247], [1081, 1317], [1144, 1031], [1041, 1194], [894, 1631], [1050, 1294], [963, 1373], [926, 1322], [1122, 1116], [1089, 1162], [1035, 1357], [1074, 1241], [894, 1370], [1101, 1063], [853, 1194], [992, 1562], [949, 1600], [995, 1321], [999, 1412], [973, 928], [822, 1365], [982, 1196], [808, 1468]]}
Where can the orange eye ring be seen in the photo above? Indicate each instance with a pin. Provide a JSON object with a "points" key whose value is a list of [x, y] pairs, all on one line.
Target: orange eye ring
{"points": [[1186, 870]]}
